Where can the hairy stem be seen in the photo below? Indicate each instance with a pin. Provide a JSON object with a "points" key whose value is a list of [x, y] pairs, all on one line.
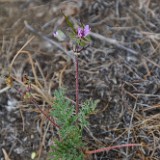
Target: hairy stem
{"points": [[77, 85]]}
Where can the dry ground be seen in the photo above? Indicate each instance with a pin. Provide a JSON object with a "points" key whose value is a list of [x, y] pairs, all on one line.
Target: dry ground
{"points": [[121, 68]]}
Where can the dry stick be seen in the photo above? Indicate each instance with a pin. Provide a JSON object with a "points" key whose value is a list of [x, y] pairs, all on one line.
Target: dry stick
{"points": [[114, 42], [43, 142], [19, 52], [130, 125], [4, 89], [112, 147], [5, 154], [33, 69], [39, 34]]}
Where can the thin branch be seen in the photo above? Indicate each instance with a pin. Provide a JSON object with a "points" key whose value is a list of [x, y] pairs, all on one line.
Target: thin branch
{"points": [[113, 41]]}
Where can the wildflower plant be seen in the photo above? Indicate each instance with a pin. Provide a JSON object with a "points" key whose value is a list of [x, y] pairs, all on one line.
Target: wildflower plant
{"points": [[71, 119]]}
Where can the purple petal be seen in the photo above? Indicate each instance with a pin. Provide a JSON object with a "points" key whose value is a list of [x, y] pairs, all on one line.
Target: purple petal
{"points": [[86, 30], [55, 34], [80, 32]]}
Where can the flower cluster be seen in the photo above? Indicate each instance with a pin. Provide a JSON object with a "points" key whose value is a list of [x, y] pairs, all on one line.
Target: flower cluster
{"points": [[79, 36], [83, 32]]}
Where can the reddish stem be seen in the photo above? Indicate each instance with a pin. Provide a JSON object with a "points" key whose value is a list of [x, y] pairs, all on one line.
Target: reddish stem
{"points": [[77, 86], [35, 104], [112, 147]]}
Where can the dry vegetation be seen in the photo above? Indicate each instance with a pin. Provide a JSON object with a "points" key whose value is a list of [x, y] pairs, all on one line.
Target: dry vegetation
{"points": [[121, 69]]}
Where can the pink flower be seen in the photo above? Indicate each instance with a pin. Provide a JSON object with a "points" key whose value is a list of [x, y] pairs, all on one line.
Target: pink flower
{"points": [[83, 32]]}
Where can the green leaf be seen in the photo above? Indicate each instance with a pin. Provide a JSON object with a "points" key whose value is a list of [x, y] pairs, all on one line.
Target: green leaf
{"points": [[87, 38], [70, 143], [80, 42], [69, 23]]}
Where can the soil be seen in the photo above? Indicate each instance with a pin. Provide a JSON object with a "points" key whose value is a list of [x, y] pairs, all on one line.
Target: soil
{"points": [[121, 69]]}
